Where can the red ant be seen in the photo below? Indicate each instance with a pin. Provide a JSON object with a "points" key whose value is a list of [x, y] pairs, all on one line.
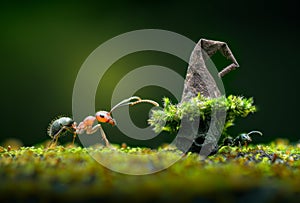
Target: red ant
{"points": [[61, 125]]}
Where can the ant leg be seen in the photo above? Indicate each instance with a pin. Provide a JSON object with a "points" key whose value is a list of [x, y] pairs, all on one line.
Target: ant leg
{"points": [[55, 137], [74, 134], [74, 137], [91, 130], [103, 135], [211, 47], [51, 142], [74, 126]]}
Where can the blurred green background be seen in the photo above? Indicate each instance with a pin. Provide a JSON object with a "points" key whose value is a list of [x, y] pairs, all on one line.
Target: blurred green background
{"points": [[43, 45]]}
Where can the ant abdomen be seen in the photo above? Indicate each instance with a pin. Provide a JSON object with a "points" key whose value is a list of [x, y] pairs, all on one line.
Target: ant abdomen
{"points": [[62, 125]]}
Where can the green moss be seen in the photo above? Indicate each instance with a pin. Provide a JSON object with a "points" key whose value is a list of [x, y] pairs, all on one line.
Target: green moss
{"points": [[169, 118], [262, 172]]}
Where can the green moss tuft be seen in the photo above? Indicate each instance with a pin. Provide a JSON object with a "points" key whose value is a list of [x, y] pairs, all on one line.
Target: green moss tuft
{"points": [[169, 118]]}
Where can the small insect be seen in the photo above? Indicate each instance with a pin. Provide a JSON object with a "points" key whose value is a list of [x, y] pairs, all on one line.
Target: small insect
{"points": [[64, 124], [241, 140]]}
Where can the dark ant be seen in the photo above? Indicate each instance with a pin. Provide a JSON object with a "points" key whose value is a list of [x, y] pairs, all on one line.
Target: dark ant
{"points": [[241, 140]]}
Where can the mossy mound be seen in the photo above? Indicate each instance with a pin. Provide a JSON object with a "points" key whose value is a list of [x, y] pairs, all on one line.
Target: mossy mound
{"points": [[264, 173]]}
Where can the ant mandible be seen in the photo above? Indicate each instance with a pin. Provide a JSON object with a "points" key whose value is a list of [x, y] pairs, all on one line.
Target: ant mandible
{"points": [[61, 125]]}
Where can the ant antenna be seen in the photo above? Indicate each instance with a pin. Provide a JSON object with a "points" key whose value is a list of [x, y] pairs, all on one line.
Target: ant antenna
{"points": [[125, 102], [255, 131], [144, 100], [128, 102]]}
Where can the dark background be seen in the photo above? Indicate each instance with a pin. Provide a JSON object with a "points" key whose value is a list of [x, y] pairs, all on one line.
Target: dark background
{"points": [[43, 45]]}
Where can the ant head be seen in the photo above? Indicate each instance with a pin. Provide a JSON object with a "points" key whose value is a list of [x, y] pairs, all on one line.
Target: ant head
{"points": [[246, 137], [104, 117]]}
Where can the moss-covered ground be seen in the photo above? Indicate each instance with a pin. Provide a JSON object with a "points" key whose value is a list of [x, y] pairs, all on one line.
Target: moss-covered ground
{"points": [[260, 173]]}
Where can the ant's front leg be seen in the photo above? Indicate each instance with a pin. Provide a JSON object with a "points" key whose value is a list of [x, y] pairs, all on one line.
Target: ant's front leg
{"points": [[91, 130]]}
